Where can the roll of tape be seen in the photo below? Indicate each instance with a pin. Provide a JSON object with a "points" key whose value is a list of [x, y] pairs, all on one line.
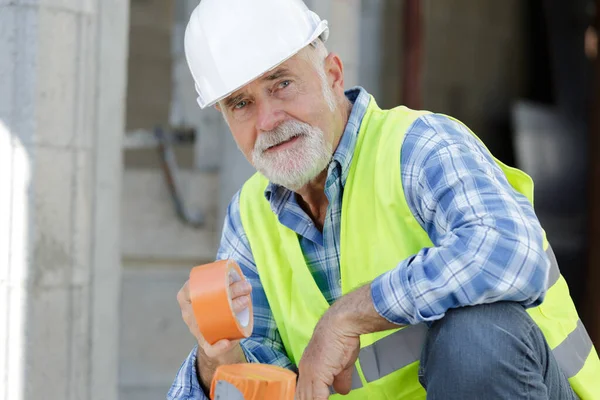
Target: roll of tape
{"points": [[211, 301], [253, 382]]}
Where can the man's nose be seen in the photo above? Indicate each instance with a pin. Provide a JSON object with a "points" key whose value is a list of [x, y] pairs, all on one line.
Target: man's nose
{"points": [[269, 116]]}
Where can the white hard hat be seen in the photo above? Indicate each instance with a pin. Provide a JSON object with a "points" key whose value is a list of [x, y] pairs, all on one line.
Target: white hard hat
{"points": [[229, 43]]}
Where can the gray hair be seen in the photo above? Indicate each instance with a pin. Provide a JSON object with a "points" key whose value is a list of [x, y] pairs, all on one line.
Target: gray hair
{"points": [[319, 53], [316, 53]]}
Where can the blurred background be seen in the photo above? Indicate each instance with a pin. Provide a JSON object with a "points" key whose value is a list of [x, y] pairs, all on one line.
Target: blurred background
{"points": [[114, 184]]}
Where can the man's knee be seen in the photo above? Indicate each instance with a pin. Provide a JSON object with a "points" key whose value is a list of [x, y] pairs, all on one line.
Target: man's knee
{"points": [[472, 345], [479, 322]]}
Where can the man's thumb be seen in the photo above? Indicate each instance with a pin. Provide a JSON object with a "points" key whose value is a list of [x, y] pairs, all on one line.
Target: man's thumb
{"points": [[342, 383]]}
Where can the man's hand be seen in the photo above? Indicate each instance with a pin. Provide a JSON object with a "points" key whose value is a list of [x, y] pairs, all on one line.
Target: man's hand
{"points": [[210, 356], [333, 349], [327, 360], [240, 299]]}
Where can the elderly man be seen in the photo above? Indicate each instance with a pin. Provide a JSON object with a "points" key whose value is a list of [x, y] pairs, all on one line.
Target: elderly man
{"points": [[388, 254]]}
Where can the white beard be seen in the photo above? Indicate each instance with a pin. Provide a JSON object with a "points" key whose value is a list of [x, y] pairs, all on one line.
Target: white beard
{"points": [[297, 165]]}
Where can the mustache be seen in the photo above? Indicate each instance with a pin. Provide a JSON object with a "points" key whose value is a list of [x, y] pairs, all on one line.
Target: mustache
{"points": [[284, 132]]}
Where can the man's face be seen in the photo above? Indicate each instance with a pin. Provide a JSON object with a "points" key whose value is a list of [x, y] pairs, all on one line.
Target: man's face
{"points": [[284, 121]]}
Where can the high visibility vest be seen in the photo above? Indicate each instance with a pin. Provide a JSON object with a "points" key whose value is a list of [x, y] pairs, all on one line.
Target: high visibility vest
{"points": [[378, 231]]}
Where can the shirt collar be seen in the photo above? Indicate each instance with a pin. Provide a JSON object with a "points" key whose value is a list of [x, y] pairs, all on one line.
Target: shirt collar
{"points": [[277, 195]]}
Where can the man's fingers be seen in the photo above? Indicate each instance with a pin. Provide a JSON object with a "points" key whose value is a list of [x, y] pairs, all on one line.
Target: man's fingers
{"points": [[240, 288], [309, 388], [183, 296], [343, 382], [320, 391], [217, 348], [241, 303]]}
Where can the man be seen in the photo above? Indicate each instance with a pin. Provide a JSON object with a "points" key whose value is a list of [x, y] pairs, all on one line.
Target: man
{"points": [[360, 221]]}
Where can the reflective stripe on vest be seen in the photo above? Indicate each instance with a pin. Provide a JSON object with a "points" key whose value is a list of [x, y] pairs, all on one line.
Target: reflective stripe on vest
{"points": [[403, 347], [572, 352], [554, 271], [392, 352]]}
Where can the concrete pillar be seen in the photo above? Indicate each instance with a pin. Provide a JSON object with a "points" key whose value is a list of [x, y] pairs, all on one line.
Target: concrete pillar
{"points": [[62, 81], [111, 84]]}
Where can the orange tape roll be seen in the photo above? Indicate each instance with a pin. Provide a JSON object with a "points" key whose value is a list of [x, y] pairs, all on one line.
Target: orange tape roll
{"points": [[255, 382], [211, 301]]}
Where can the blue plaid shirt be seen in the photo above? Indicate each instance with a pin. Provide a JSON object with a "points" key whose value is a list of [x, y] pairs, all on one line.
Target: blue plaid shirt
{"points": [[488, 241]]}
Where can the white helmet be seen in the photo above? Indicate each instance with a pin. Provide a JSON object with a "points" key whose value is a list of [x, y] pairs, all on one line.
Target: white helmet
{"points": [[229, 43]]}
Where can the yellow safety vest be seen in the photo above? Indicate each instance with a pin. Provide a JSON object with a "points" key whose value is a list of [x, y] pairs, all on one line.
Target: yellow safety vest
{"points": [[378, 231]]}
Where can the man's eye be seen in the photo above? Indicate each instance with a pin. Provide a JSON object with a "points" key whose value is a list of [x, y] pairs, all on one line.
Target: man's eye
{"points": [[241, 105], [285, 84]]}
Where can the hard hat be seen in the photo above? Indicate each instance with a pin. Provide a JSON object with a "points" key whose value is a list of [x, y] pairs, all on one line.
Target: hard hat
{"points": [[229, 43]]}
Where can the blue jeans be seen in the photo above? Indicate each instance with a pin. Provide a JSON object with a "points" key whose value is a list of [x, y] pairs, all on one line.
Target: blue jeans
{"points": [[492, 351]]}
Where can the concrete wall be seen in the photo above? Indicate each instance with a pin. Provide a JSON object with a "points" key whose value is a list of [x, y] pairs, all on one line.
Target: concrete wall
{"points": [[151, 228], [62, 81], [150, 87]]}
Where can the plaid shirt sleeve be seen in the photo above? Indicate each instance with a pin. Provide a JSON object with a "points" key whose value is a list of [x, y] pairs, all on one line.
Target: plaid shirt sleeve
{"points": [[265, 345], [487, 239]]}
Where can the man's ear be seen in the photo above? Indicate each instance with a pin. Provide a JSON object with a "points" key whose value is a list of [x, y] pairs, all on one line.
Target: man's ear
{"points": [[218, 107], [334, 68]]}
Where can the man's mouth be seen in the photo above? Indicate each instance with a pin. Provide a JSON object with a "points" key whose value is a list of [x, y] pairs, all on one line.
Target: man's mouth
{"points": [[284, 144]]}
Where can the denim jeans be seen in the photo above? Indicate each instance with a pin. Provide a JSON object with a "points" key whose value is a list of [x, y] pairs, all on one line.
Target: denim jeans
{"points": [[492, 351]]}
